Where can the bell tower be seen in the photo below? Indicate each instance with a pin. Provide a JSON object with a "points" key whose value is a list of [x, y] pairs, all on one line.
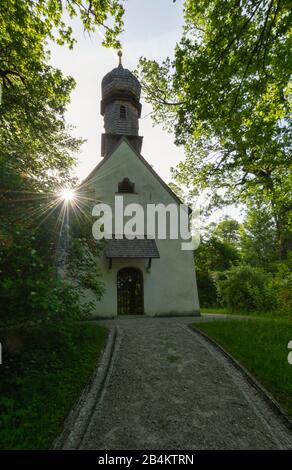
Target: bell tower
{"points": [[121, 108]]}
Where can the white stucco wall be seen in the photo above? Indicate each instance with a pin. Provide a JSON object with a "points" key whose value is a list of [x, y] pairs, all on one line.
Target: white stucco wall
{"points": [[170, 286]]}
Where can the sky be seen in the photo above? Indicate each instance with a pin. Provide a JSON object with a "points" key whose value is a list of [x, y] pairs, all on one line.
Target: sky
{"points": [[151, 29]]}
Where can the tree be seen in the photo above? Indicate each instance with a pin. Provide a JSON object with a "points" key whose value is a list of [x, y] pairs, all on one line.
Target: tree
{"points": [[36, 156], [227, 231], [34, 138], [212, 256], [27, 26], [259, 237], [225, 95], [216, 255]]}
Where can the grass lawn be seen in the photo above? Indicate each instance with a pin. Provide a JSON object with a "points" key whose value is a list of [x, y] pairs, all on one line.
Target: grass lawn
{"points": [[41, 381], [261, 346], [271, 315], [214, 310]]}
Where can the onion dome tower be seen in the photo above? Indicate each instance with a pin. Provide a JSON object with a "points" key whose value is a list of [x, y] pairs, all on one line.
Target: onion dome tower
{"points": [[121, 108]]}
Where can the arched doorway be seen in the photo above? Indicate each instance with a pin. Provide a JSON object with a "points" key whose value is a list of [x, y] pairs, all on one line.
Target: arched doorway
{"points": [[130, 291]]}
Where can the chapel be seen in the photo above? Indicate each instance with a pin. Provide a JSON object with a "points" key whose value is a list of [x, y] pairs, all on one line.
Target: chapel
{"points": [[144, 274]]}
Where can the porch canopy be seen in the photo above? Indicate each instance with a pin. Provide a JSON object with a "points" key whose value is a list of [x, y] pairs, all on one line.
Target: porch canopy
{"points": [[131, 248]]}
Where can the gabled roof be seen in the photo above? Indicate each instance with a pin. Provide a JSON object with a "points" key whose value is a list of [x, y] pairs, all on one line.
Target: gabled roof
{"points": [[142, 159]]}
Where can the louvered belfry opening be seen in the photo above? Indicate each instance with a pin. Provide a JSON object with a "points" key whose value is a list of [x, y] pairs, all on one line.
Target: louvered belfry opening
{"points": [[130, 291], [126, 186], [123, 113]]}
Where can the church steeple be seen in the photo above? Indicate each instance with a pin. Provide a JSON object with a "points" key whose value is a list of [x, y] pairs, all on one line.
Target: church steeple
{"points": [[121, 108]]}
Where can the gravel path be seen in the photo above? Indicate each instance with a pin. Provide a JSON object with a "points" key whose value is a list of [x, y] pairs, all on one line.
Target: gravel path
{"points": [[168, 388]]}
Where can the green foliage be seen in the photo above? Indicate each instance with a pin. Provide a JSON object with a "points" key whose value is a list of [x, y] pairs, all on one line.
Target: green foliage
{"points": [[41, 379], [30, 290], [217, 252], [36, 157], [259, 237], [206, 288], [31, 229], [227, 231], [82, 265], [26, 278], [225, 95], [216, 255], [242, 273], [281, 285], [261, 346], [245, 288], [34, 138], [28, 27], [212, 256], [47, 358]]}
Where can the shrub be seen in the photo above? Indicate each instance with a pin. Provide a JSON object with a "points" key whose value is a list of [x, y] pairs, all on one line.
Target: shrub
{"points": [[30, 288], [245, 288], [281, 284], [212, 255], [207, 289]]}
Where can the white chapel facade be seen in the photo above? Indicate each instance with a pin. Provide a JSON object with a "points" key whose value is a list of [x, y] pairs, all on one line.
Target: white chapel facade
{"points": [[144, 275]]}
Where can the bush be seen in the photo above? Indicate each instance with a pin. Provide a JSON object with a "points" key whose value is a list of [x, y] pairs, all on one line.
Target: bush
{"points": [[29, 287], [281, 284], [207, 289], [245, 288], [41, 378], [212, 255]]}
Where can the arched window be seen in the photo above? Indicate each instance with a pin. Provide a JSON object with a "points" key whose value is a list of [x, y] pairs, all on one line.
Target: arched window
{"points": [[123, 113]]}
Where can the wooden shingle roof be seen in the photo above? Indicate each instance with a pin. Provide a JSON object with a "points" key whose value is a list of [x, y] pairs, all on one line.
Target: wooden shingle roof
{"points": [[131, 248]]}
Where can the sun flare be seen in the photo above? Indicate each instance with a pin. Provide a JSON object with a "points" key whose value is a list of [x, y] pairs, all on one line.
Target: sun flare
{"points": [[67, 194]]}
